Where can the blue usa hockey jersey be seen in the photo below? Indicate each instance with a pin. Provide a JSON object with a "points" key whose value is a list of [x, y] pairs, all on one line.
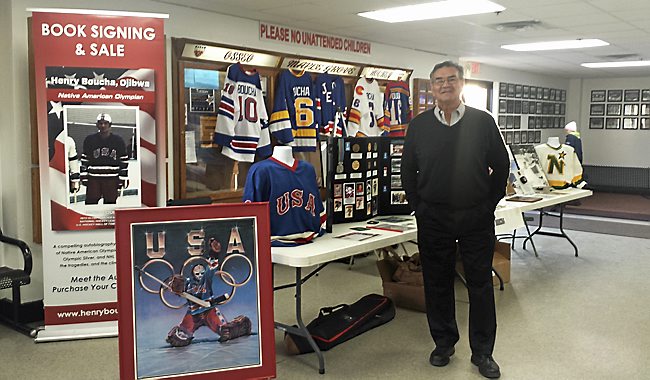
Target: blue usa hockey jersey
{"points": [[296, 210], [242, 121], [293, 121], [398, 109], [330, 104]]}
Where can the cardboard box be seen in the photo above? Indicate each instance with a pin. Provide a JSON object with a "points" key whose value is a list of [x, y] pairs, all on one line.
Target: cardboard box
{"points": [[412, 297], [403, 295], [500, 263]]}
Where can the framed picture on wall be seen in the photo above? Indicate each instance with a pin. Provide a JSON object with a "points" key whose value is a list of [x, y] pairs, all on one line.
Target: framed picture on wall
{"points": [[516, 137], [614, 95], [524, 107], [502, 122], [631, 110], [532, 122], [503, 90], [532, 109], [510, 122], [632, 95], [524, 137], [533, 92], [526, 92], [630, 123], [531, 137], [613, 123], [645, 109], [518, 91], [645, 123], [538, 137], [645, 95], [518, 106], [540, 108], [509, 137], [540, 93], [546, 93], [563, 95], [503, 106], [510, 107], [517, 120], [562, 108], [596, 123], [511, 90], [597, 95], [614, 110], [553, 94], [556, 108], [597, 110]]}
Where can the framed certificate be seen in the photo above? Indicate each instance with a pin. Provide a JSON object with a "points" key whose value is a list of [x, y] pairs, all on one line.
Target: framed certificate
{"points": [[614, 110], [612, 123], [614, 95], [630, 123], [596, 123], [597, 110], [632, 95], [631, 110]]}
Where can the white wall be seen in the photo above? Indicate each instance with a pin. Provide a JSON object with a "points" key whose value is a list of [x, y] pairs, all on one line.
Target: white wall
{"points": [[628, 148]]}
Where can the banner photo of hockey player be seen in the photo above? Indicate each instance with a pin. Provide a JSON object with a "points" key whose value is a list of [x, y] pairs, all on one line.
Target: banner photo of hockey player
{"points": [[99, 99], [192, 292]]}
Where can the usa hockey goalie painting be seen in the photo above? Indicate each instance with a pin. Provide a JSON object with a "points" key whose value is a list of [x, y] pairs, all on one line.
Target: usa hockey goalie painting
{"points": [[197, 291]]}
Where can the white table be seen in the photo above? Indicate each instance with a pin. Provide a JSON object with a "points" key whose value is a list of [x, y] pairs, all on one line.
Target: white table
{"points": [[555, 198]]}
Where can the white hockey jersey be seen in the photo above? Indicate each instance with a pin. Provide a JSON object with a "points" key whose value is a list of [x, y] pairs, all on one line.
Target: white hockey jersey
{"points": [[366, 118], [242, 121], [561, 166]]}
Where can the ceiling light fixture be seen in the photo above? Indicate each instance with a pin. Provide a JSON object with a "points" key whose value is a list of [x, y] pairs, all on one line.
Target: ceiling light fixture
{"points": [[438, 9], [557, 45], [597, 65]]}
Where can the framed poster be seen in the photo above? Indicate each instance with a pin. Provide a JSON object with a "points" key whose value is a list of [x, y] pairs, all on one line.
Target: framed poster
{"points": [[524, 107], [630, 123], [614, 110], [517, 124], [509, 137], [511, 90], [538, 137], [526, 93], [516, 137], [632, 95], [503, 90], [533, 92], [195, 292], [524, 137], [531, 137], [502, 122], [518, 91], [503, 106], [596, 123], [614, 95], [613, 123]]}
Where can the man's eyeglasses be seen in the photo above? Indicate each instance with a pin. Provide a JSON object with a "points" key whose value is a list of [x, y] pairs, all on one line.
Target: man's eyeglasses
{"points": [[452, 80]]}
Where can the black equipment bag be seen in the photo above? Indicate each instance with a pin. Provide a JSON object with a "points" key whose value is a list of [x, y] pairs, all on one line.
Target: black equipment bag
{"points": [[336, 324]]}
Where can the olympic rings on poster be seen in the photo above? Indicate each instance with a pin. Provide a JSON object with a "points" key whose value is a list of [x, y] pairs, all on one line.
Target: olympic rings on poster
{"points": [[144, 268], [233, 282], [171, 299]]}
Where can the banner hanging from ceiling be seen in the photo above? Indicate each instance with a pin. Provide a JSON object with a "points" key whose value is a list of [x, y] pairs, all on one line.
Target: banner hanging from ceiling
{"points": [[99, 85]]}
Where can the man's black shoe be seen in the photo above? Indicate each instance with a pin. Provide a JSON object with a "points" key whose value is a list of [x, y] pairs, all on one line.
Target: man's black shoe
{"points": [[440, 356], [486, 366]]}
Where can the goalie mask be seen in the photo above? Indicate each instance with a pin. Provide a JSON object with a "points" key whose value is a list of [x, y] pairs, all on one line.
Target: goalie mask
{"points": [[198, 271]]}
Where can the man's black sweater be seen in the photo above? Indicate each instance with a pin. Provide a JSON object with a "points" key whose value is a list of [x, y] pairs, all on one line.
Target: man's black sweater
{"points": [[448, 166]]}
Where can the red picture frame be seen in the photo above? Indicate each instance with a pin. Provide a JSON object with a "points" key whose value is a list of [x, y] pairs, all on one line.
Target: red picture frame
{"points": [[222, 255]]}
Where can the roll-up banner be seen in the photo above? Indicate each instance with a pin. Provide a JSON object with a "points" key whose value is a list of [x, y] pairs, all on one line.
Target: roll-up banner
{"points": [[99, 85]]}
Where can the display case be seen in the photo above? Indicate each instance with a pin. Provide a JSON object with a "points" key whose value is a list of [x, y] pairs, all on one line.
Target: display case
{"points": [[422, 96]]}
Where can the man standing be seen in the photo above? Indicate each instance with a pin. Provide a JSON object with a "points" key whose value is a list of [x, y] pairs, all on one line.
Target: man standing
{"points": [[104, 163], [454, 171]]}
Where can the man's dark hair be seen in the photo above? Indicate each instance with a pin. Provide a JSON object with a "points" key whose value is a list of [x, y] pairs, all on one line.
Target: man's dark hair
{"points": [[448, 64]]}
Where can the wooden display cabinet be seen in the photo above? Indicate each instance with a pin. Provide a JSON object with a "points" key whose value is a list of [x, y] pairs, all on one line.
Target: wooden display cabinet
{"points": [[422, 96]]}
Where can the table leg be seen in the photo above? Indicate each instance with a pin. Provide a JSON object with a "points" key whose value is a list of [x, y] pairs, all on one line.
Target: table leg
{"points": [[302, 329], [539, 227], [547, 233]]}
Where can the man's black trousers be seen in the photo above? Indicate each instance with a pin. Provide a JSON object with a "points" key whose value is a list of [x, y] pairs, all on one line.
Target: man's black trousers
{"points": [[440, 231]]}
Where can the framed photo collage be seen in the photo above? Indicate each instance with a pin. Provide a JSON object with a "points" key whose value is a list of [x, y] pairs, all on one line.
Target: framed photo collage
{"points": [[627, 109], [524, 110]]}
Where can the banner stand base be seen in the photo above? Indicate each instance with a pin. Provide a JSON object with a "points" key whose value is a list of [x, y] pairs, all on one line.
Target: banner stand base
{"points": [[76, 331]]}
